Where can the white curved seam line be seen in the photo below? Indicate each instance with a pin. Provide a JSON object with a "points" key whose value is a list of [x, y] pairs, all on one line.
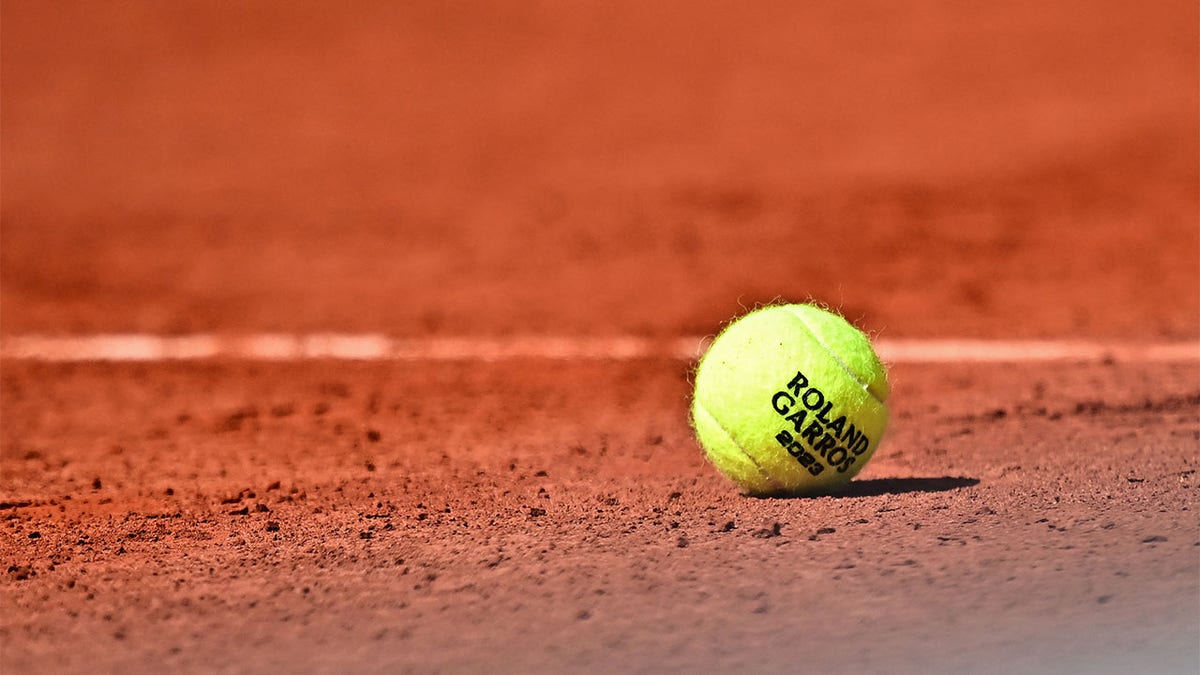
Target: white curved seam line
{"points": [[837, 358], [766, 476]]}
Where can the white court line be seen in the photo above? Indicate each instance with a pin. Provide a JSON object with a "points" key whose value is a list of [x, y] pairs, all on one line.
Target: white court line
{"points": [[378, 347]]}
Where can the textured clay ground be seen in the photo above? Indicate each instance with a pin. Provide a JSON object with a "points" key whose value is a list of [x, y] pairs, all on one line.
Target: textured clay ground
{"points": [[448, 517], [935, 169]]}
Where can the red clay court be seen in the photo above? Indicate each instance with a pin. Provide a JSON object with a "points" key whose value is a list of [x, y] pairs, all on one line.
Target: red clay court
{"points": [[359, 339]]}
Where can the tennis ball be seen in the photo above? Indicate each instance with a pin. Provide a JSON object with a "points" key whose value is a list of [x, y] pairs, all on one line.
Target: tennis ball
{"points": [[790, 399]]}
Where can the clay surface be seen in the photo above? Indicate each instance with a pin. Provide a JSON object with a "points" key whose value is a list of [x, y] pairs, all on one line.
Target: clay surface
{"points": [[933, 169]]}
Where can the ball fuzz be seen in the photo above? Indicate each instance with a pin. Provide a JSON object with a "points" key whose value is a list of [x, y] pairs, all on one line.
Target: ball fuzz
{"points": [[790, 399]]}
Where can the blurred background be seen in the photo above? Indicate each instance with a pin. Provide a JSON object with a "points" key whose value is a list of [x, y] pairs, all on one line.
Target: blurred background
{"points": [[931, 168]]}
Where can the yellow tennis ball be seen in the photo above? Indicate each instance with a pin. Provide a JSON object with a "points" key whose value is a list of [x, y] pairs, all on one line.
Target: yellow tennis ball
{"points": [[790, 399]]}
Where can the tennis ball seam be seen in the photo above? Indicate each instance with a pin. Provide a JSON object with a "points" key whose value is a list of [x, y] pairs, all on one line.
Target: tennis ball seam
{"points": [[717, 423], [866, 387]]}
